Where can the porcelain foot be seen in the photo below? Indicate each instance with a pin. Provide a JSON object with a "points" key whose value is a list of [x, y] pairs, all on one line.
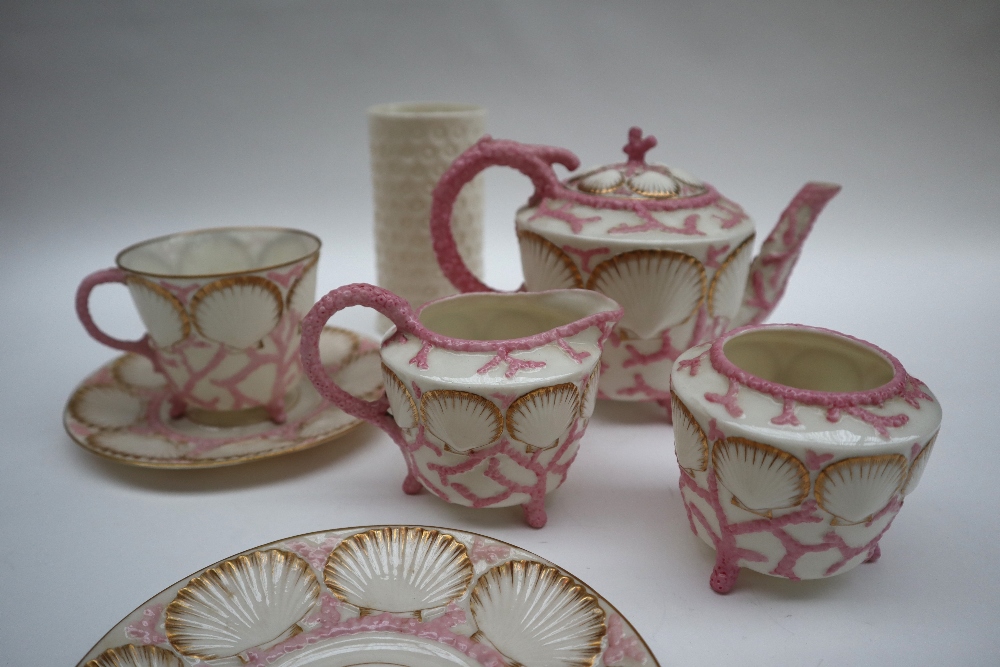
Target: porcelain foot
{"points": [[723, 577], [277, 414], [177, 407], [874, 554], [535, 515], [411, 486]]}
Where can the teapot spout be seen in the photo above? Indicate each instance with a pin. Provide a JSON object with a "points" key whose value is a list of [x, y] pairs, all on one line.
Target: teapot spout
{"points": [[770, 270]]}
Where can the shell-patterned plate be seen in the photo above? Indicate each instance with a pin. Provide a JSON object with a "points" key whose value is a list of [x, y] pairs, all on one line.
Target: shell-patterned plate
{"points": [[384, 595]]}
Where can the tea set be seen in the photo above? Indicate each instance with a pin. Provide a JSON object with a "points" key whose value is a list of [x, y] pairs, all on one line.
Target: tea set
{"points": [[796, 445]]}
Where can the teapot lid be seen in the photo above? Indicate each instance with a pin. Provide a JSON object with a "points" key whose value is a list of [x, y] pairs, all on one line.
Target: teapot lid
{"points": [[640, 181]]}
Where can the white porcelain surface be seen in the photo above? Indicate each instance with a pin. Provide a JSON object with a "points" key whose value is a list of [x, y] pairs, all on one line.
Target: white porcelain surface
{"points": [[324, 599]]}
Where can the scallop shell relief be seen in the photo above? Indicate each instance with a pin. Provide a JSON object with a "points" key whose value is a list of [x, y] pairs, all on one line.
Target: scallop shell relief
{"points": [[392, 595]]}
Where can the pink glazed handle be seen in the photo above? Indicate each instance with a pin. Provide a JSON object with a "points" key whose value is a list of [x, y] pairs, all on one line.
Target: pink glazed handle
{"points": [[358, 294], [113, 275], [533, 161]]}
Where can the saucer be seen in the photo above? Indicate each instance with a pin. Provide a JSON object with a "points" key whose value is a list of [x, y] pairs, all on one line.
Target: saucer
{"points": [[122, 410], [382, 595]]}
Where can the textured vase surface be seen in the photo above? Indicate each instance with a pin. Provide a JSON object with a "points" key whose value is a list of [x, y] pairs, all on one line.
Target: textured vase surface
{"points": [[411, 146]]}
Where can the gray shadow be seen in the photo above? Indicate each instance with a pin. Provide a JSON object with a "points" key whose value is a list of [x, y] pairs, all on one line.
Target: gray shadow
{"points": [[239, 476]]}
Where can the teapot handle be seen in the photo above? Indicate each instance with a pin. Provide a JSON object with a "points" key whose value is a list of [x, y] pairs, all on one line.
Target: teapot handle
{"points": [[533, 161], [358, 294]]}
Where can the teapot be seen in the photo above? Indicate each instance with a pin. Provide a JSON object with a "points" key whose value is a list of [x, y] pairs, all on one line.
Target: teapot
{"points": [[676, 254]]}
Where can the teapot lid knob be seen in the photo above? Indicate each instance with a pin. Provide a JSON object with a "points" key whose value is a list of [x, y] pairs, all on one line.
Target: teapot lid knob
{"points": [[637, 146]]}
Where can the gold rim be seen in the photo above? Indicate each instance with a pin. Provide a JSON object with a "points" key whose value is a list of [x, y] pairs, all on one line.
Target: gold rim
{"points": [[798, 468], [730, 258], [649, 193], [556, 251], [167, 296], [699, 432], [367, 541], [593, 378], [881, 461], [130, 654], [215, 579], [454, 394], [228, 283], [919, 460], [360, 529], [612, 263], [215, 230], [305, 269], [389, 376], [578, 182], [531, 396], [558, 579]]}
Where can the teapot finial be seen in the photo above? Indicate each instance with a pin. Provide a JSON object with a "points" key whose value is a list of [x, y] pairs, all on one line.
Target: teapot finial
{"points": [[638, 145]]}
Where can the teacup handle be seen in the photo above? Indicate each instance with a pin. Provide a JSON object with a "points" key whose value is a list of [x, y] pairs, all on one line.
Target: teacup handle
{"points": [[533, 161], [112, 275], [358, 294]]}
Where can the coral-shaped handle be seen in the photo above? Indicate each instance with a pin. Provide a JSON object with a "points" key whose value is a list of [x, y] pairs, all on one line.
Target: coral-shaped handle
{"points": [[112, 275], [358, 294], [533, 161]]}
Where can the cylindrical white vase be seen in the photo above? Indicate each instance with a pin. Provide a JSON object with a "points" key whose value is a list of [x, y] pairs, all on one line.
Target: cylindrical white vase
{"points": [[411, 146]]}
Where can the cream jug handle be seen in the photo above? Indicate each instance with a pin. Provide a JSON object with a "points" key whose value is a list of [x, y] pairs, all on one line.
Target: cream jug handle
{"points": [[358, 294], [533, 161]]}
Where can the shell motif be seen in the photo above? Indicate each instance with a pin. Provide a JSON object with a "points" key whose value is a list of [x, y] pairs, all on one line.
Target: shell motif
{"points": [[302, 294], [658, 288], [161, 312], [690, 441], [761, 478], [545, 265], [461, 421], [399, 570], [601, 182], [131, 655], [237, 311], [537, 616], [685, 177], [589, 398], [135, 370], [854, 489], [653, 184], [246, 601], [208, 254], [725, 292], [541, 418], [404, 410], [917, 467], [105, 407]]}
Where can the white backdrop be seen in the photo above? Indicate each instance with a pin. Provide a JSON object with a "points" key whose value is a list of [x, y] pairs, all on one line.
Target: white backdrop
{"points": [[121, 121]]}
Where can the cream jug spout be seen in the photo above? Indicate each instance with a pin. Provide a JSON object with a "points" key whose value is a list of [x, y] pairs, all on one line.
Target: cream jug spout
{"points": [[771, 268]]}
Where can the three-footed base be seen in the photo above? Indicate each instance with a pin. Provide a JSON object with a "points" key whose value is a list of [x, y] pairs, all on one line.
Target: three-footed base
{"points": [[724, 573], [534, 511]]}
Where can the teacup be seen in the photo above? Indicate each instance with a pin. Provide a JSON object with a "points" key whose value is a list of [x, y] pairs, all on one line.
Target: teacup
{"points": [[796, 447], [487, 395], [222, 309]]}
